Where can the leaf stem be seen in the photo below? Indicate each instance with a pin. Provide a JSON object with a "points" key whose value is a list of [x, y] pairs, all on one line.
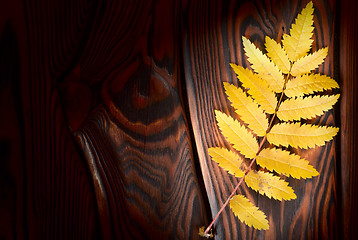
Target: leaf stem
{"points": [[223, 206], [207, 230]]}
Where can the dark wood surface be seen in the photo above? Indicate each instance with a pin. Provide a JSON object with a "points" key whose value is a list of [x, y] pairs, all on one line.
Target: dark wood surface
{"points": [[136, 140], [213, 40], [46, 191], [347, 190], [108, 111]]}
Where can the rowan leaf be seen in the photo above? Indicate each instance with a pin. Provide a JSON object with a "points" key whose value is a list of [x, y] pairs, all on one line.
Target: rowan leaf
{"points": [[308, 84], [249, 111], [267, 184], [242, 140], [257, 88], [305, 108], [228, 160], [277, 55], [308, 63], [302, 136], [261, 64], [283, 162], [299, 42], [287, 69], [248, 213]]}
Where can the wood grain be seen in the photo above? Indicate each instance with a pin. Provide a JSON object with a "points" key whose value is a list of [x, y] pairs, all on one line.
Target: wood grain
{"points": [[109, 71], [136, 139], [348, 64], [46, 192], [212, 41], [108, 111]]}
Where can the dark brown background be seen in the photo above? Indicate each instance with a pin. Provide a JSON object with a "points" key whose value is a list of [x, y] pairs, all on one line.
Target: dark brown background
{"points": [[107, 114]]}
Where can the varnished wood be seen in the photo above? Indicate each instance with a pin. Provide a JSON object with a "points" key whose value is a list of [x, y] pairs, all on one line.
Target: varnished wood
{"points": [[136, 140], [108, 73], [45, 189], [347, 167], [213, 40], [108, 111]]}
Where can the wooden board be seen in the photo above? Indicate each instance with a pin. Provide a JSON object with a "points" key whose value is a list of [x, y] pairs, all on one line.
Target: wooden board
{"points": [[348, 167], [46, 191], [212, 41], [136, 139], [108, 111], [106, 74]]}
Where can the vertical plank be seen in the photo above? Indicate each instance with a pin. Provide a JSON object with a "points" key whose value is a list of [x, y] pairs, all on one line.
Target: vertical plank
{"points": [[110, 72], [212, 41], [135, 138], [11, 139], [46, 192], [348, 64]]}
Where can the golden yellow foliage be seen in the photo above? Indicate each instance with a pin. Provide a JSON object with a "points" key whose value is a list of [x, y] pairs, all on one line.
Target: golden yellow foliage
{"points": [[302, 136], [277, 54], [248, 213], [283, 162], [309, 84], [242, 140], [308, 63], [228, 160], [261, 64], [249, 111], [268, 184], [285, 69], [257, 88], [299, 42], [305, 108]]}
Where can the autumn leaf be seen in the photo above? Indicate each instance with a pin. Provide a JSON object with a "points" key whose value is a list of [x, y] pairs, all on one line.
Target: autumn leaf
{"points": [[284, 162], [228, 160], [302, 136], [305, 108], [299, 42], [261, 64], [242, 140], [268, 184], [248, 213], [277, 54], [309, 84], [249, 111], [257, 88], [286, 69], [308, 63]]}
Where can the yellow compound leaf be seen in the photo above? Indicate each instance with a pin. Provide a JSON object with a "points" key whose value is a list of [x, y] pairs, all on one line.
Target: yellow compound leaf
{"points": [[277, 54], [268, 184], [248, 213], [257, 88], [228, 160], [299, 42], [249, 111], [242, 140], [283, 162], [261, 64], [308, 84], [305, 108], [308, 63], [285, 68], [305, 136]]}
